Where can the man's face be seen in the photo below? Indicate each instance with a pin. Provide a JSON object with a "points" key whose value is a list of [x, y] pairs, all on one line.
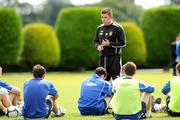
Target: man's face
{"points": [[178, 38], [106, 19]]}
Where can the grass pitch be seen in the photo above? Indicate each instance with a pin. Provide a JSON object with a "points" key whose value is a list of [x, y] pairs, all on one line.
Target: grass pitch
{"points": [[68, 85]]}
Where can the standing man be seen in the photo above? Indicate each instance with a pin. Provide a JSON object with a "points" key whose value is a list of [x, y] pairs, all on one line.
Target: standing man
{"points": [[175, 53], [109, 40]]}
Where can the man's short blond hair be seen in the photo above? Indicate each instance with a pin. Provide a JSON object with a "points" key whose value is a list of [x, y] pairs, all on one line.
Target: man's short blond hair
{"points": [[107, 11]]}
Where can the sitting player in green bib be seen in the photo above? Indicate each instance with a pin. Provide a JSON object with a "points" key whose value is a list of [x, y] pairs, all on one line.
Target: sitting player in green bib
{"points": [[132, 98]]}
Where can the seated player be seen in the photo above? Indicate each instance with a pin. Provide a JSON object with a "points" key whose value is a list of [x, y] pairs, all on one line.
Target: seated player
{"points": [[172, 90], [96, 94], [40, 97], [9, 96], [132, 98]]}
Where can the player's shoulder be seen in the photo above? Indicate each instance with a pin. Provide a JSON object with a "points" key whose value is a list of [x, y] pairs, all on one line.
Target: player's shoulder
{"points": [[117, 25], [100, 26]]}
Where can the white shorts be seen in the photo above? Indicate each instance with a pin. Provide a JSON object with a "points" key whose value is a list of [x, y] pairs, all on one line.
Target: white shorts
{"points": [[3, 91]]}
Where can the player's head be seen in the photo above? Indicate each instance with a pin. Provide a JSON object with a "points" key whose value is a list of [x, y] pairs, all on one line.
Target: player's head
{"points": [[178, 37], [39, 71], [101, 72], [130, 68], [178, 69], [106, 16]]}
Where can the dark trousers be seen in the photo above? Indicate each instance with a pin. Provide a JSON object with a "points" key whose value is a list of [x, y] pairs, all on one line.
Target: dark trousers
{"points": [[112, 64]]}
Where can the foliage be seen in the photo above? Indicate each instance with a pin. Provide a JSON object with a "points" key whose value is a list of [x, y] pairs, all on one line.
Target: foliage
{"points": [[123, 10], [41, 45], [76, 29], [160, 27], [11, 42], [48, 12], [135, 49], [172, 2], [21, 8]]}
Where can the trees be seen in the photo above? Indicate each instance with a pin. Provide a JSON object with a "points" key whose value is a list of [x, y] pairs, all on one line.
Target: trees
{"points": [[75, 28], [123, 10], [172, 2], [160, 27], [40, 45], [11, 42], [135, 49]]}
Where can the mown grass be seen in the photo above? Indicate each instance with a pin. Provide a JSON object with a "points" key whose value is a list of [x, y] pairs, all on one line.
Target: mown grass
{"points": [[68, 85]]}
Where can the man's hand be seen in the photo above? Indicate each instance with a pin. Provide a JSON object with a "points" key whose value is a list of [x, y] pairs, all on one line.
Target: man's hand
{"points": [[16, 91], [100, 48], [105, 42]]}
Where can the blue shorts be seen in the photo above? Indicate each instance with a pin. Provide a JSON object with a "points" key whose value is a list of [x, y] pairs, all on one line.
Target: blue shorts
{"points": [[136, 116], [93, 111], [49, 108]]}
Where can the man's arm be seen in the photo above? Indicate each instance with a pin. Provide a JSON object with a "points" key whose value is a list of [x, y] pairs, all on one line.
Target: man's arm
{"points": [[107, 90], [96, 39], [146, 88], [166, 88], [15, 91], [120, 39]]}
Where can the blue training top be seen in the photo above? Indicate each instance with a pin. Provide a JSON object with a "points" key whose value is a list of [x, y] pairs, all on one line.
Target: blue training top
{"points": [[5, 85], [35, 93], [166, 88], [93, 92]]}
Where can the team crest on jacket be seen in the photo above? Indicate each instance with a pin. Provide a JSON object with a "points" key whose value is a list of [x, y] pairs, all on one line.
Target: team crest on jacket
{"points": [[110, 33]]}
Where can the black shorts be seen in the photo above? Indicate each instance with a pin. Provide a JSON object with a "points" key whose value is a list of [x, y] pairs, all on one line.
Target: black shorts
{"points": [[1, 113], [112, 64], [170, 113]]}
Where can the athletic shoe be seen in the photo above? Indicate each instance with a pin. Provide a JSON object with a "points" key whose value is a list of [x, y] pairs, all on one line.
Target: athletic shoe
{"points": [[155, 102], [61, 112]]}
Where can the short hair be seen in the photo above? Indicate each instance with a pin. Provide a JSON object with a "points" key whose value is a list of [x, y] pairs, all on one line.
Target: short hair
{"points": [[107, 11], [101, 71], [178, 35], [38, 71], [178, 68], [130, 68]]}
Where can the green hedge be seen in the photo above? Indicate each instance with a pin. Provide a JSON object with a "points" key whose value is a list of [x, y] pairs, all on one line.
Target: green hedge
{"points": [[76, 29], [11, 42], [41, 45], [135, 49], [160, 26]]}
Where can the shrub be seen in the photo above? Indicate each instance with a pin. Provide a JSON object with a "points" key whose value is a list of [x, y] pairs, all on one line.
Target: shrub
{"points": [[11, 42], [135, 49], [41, 45], [76, 29], [160, 26]]}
